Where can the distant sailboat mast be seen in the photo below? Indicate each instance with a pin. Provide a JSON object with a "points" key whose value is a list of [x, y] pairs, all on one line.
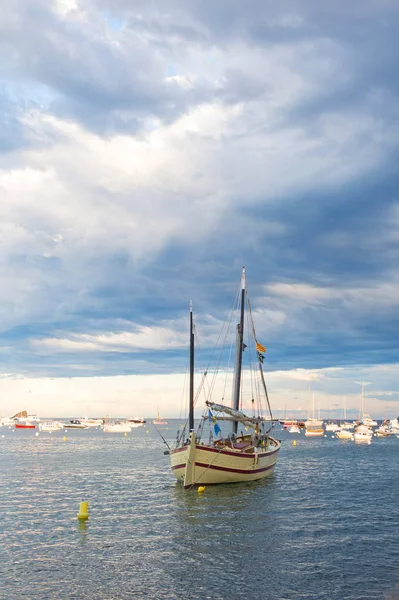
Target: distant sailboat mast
{"points": [[239, 350]]}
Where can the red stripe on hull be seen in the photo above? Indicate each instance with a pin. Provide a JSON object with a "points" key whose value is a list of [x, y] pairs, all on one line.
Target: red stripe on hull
{"points": [[241, 455], [229, 470], [25, 426]]}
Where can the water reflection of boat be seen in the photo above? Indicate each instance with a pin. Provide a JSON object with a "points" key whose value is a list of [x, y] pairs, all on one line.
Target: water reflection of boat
{"points": [[232, 458]]}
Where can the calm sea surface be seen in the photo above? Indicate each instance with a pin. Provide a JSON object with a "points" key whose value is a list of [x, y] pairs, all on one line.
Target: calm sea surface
{"points": [[325, 526]]}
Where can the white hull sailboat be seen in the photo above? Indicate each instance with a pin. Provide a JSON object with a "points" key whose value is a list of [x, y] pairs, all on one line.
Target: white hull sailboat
{"points": [[230, 458]]}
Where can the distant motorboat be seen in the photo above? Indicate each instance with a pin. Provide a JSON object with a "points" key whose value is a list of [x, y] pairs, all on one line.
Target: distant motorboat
{"points": [[383, 431], [7, 422], [92, 422], [116, 427], [51, 426], [287, 423], [135, 421], [24, 425], [332, 426], [344, 434], [347, 425], [75, 424], [24, 417], [394, 426], [363, 435], [294, 429], [368, 421]]}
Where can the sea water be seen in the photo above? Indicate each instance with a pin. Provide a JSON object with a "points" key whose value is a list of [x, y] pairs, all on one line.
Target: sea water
{"points": [[324, 526]]}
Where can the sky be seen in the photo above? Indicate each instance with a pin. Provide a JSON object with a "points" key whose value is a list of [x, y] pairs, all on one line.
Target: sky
{"points": [[149, 150]]}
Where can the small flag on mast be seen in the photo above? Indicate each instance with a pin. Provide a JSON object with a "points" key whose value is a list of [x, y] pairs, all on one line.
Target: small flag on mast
{"points": [[260, 348]]}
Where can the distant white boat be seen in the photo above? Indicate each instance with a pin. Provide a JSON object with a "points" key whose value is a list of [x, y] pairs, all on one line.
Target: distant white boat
{"points": [[363, 435], [7, 422], [344, 434], [116, 427], [394, 426], [294, 429], [368, 421], [347, 425], [383, 431], [135, 421], [51, 426], [332, 426], [75, 424], [92, 422]]}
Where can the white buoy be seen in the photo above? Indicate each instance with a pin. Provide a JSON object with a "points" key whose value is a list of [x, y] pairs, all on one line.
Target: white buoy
{"points": [[37, 434]]}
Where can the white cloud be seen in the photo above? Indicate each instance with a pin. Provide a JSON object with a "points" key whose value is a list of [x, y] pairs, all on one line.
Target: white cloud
{"points": [[125, 395]]}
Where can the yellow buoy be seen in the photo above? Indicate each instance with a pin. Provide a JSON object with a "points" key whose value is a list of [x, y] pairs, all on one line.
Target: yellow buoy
{"points": [[125, 434], [64, 438], [83, 513], [201, 489], [294, 443]]}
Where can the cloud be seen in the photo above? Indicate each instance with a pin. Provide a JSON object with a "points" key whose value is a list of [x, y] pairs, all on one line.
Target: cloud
{"points": [[148, 151]]}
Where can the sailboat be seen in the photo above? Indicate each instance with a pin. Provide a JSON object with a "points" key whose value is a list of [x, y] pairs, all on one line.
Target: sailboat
{"points": [[313, 426], [233, 457], [159, 421]]}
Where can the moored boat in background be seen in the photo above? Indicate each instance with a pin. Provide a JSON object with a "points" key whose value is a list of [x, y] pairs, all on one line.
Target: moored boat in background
{"points": [[116, 427], [51, 426]]}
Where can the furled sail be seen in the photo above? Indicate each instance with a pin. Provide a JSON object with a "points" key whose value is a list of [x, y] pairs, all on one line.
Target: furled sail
{"points": [[232, 412]]}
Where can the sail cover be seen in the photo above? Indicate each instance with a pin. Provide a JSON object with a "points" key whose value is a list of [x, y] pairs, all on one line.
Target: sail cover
{"points": [[237, 414]]}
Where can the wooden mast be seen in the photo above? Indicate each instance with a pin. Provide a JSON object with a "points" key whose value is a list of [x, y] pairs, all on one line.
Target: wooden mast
{"points": [[191, 392], [239, 350]]}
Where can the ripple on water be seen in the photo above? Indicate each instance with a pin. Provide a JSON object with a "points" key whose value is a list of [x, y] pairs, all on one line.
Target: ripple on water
{"points": [[323, 527]]}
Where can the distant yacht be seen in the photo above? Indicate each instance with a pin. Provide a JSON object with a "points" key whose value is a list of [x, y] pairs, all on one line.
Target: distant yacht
{"points": [[294, 429], [51, 426], [344, 434], [116, 427], [368, 421], [75, 424], [92, 422], [363, 434], [135, 421], [332, 426]]}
